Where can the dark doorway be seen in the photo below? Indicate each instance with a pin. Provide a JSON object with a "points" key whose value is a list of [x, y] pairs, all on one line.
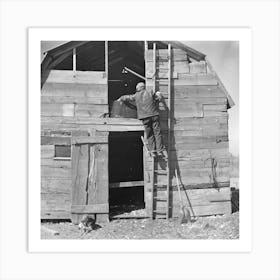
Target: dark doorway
{"points": [[126, 171]]}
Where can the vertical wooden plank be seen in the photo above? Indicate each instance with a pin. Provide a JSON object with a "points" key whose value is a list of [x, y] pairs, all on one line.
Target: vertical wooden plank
{"points": [[106, 46], [154, 66], [145, 55], [145, 176], [153, 159], [79, 187], [74, 194], [74, 62], [93, 171], [169, 127], [153, 184], [106, 60], [102, 179]]}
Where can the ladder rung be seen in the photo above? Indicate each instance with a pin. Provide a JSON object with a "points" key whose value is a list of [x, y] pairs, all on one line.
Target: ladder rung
{"points": [[156, 186], [159, 213], [160, 198], [161, 172]]}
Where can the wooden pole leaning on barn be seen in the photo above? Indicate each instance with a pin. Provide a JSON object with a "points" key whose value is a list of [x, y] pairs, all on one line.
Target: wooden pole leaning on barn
{"points": [[153, 159], [169, 126]]}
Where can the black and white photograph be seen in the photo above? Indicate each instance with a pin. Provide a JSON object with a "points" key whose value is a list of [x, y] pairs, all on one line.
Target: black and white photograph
{"points": [[139, 139]]}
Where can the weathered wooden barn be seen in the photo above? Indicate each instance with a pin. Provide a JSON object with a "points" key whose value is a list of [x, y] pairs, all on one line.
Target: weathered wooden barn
{"points": [[86, 153]]}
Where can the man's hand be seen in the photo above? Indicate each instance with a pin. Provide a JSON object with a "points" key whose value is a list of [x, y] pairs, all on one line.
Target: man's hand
{"points": [[120, 99], [158, 95]]}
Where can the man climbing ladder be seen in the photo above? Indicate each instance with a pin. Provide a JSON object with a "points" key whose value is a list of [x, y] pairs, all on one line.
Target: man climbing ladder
{"points": [[147, 111]]}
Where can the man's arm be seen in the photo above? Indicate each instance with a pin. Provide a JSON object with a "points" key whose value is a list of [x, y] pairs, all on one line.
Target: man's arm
{"points": [[130, 97]]}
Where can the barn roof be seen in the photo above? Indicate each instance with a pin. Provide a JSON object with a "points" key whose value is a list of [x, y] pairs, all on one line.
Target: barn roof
{"points": [[61, 47], [59, 50]]}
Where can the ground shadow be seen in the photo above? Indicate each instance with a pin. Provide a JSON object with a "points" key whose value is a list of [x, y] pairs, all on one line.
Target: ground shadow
{"points": [[234, 200]]}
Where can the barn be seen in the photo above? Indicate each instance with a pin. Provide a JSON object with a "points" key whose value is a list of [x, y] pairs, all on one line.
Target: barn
{"points": [[90, 155]]}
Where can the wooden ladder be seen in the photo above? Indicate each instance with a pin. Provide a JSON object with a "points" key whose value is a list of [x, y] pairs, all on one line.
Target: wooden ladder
{"points": [[156, 187], [158, 211]]}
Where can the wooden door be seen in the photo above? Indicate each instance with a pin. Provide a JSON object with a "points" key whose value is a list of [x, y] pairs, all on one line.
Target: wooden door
{"points": [[90, 183]]}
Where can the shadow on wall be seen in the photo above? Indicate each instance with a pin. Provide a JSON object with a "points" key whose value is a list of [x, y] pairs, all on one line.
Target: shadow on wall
{"points": [[173, 153]]}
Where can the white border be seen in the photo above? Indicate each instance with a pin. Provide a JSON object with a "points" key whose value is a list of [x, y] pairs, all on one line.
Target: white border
{"points": [[243, 35]]}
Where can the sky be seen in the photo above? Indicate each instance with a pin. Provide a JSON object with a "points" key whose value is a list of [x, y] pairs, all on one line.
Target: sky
{"points": [[224, 57]]}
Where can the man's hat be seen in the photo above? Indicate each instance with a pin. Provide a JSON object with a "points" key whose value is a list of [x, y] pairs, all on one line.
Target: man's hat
{"points": [[140, 86]]}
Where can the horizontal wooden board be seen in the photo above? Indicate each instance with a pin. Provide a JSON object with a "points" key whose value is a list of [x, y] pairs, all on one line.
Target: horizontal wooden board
{"points": [[47, 151], [55, 140], [59, 110], [182, 126], [195, 139], [50, 214], [99, 127], [189, 80], [55, 172], [215, 107], [195, 177], [56, 186], [199, 145], [196, 154], [214, 114], [56, 133], [217, 208], [178, 67], [160, 74], [71, 110], [162, 55], [198, 99], [89, 139], [90, 110], [190, 123], [199, 132], [84, 91], [84, 123], [90, 209], [79, 77], [195, 197], [198, 67], [187, 91], [191, 163], [92, 120], [74, 99], [55, 201], [191, 127], [126, 184], [54, 162], [184, 110]]}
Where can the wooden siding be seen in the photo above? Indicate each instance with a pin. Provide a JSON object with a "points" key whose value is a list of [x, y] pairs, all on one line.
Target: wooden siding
{"points": [[88, 123], [55, 185], [74, 94], [198, 133]]}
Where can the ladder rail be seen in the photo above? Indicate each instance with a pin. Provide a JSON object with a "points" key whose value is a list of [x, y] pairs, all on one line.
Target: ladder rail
{"points": [[168, 128], [154, 163]]}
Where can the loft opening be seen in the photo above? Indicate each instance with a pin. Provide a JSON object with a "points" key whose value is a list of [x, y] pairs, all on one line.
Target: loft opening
{"points": [[89, 56], [122, 57], [126, 177]]}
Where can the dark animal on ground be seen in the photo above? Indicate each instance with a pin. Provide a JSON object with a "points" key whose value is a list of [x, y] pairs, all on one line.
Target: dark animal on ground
{"points": [[86, 225]]}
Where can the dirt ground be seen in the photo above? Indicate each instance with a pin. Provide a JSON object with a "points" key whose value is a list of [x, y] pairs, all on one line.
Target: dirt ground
{"points": [[134, 225]]}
